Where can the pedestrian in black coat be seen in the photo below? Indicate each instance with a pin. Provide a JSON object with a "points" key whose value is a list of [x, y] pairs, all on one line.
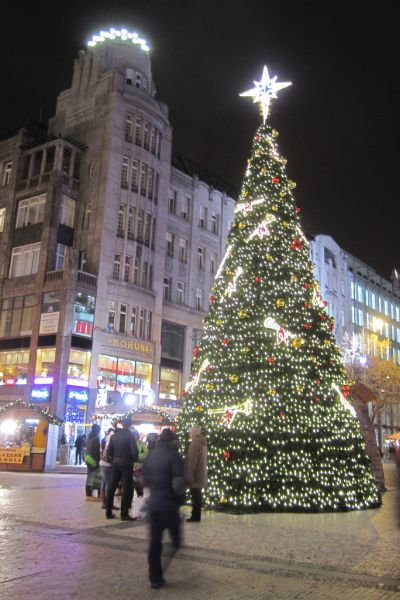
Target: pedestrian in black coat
{"points": [[164, 474], [122, 453]]}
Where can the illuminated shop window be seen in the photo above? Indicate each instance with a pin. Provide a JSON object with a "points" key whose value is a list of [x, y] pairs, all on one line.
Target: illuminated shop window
{"points": [[117, 377], [170, 384], [45, 362], [14, 367], [84, 314], [79, 364]]}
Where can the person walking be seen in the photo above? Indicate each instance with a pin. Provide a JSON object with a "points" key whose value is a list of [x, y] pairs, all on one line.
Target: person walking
{"points": [[105, 467], [164, 474], [122, 453], [78, 449], [92, 459], [196, 471]]}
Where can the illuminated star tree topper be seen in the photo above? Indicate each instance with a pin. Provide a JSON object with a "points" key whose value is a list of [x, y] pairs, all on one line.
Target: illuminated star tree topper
{"points": [[265, 91]]}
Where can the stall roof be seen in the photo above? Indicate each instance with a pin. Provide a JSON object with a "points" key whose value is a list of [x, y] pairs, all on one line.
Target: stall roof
{"points": [[41, 411]]}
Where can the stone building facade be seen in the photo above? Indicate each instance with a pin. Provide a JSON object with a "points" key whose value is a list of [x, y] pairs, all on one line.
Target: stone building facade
{"points": [[108, 252]]}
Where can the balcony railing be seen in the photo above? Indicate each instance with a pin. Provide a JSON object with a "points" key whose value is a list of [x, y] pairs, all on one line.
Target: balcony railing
{"points": [[87, 279]]}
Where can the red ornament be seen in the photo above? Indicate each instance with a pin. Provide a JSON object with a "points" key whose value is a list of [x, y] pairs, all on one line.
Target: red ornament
{"points": [[317, 381], [330, 326], [317, 399], [275, 180], [307, 285], [345, 390], [212, 298], [271, 360], [258, 137], [258, 279], [307, 305], [308, 326], [282, 414], [226, 341], [227, 454], [296, 244], [323, 317], [195, 352], [297, 209]]}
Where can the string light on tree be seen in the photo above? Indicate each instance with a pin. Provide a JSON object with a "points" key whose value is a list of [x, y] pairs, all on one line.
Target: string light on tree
{"points": [[298, 445]]}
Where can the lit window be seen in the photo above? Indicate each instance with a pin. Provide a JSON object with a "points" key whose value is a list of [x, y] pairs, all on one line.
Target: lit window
{"points": [[14, 367], [25, 260], [61, 252], [30, 211], [67, 216], [133, 323]]}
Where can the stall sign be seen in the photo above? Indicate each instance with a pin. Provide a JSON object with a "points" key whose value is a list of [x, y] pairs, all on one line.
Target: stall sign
{"points": [[148, 417], [40, 393], [78, 395], [12, 455]]}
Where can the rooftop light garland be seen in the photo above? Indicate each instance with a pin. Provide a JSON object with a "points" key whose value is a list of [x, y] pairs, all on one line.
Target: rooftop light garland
{"points": [[119, 34]]}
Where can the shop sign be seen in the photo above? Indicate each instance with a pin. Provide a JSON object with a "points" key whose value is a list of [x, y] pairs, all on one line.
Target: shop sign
{"points": [[79, 395], [147, 417], [40, 394], [135, 345], [49, 322], [12, 455]]}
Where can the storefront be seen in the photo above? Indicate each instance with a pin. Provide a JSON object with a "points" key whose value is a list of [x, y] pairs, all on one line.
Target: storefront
{"points": [[28, 437], [392, 442]]}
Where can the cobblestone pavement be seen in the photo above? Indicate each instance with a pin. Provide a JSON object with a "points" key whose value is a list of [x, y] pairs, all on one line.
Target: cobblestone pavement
{"points": [[53, 544]]}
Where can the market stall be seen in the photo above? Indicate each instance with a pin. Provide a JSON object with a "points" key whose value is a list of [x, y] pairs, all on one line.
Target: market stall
{"points": [[28, 437], [145, 419]]}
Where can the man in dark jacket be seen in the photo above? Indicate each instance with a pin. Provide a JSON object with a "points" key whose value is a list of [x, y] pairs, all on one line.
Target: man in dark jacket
{"points": [[93, 479], [164, 473], [122, 453]]}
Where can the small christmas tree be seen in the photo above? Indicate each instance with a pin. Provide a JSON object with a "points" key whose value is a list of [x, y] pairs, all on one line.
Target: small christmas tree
{"points": [[270, 389]]}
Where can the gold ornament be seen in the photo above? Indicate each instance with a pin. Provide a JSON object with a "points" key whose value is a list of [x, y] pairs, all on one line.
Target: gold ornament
{"points": [[242, 314], [272, 391], [223, 500], [284, 161], [245, 349], [264, 171], [233, 378], [274, 207], [280, 303], [282, 194], [219, 322], [209, 387], [293, 278], [228, 272], [269, 257], [245, 193], [286, 224], [242, 225], [326, 342], [292, 185], [300, 389], [313, 358], [275, 133], [297, 342], [199, 408]]}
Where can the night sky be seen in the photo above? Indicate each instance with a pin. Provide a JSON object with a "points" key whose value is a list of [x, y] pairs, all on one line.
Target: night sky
{"points": [[338, 122]]}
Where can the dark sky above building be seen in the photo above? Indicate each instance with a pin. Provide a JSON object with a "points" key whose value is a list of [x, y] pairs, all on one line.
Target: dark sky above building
{"points": [[338, 122]]}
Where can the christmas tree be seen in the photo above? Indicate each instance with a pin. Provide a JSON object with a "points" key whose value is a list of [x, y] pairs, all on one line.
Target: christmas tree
{"points": [[270, 392]]}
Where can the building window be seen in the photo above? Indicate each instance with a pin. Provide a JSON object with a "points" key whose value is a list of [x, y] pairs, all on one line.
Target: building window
{"points": [[112, 309], [149, 325], [16, 316], [79, 364], [170, 244], [124, 172], [360, 293], [25, 260], [143, 179], [138, 131], [30, 211], [201, 257], [82, 260], [127, 268], [180, 292], [203, 217], [172, 202], [185, 208], [86, 215], [213, 262], [153, 140], [45, 362], [131, 222], [117, 266], [373, 300], [199, 299], [61, 253], [172, 340], [84, 314], [146, 136], [156, 186], [360, 318], [7, 173], [147, 229], [167, 288], [121, 220], [142, 322], [145, 274], [170, 384], [150, 187], [386, 307], [183, 250], [329, 258], [14, 367], [135, 175], [353, 315], [133, 322], [123, 316], [129, 128], [129, 77], [214, 223], [92, 168], [136, 268], [2, 219], [67, 216]]}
